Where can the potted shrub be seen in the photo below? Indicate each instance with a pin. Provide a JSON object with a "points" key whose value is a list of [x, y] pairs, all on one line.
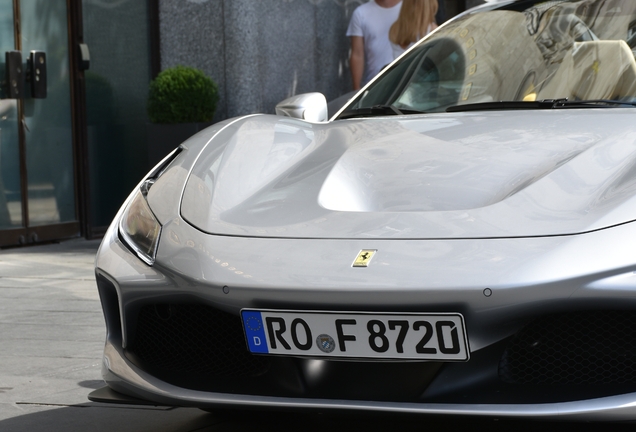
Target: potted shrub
{"points": [[181, 101]]}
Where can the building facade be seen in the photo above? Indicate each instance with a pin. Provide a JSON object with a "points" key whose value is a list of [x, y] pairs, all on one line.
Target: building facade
{"points": [[70, 155]]}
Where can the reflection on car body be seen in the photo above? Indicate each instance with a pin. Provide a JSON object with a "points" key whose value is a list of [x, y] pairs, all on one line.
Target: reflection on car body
{"points": [[455, 240]]}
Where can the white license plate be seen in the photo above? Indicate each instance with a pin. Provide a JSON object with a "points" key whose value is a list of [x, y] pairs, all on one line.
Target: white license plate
{"points": [[356, 334]]}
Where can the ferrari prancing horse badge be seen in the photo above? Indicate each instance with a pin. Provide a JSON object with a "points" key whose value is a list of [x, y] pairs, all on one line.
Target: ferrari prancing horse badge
{"points": [[364, 257]]}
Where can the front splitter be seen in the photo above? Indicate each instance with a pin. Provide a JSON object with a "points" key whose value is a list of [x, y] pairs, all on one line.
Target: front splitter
{"points": [[124, 377]]}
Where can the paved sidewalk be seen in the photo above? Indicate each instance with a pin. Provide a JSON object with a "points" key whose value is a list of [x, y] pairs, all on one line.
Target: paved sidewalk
{"points": [[51, 339]]}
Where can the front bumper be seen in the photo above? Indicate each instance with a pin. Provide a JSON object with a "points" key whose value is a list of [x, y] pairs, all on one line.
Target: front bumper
{"points": [[124, 377], [527, 278]]}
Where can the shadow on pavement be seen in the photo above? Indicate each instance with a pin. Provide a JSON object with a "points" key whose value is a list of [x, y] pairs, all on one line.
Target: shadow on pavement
{"points": [[102, 418]]}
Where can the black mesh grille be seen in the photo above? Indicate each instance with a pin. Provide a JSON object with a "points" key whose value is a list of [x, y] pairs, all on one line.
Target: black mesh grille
{"points": [[575, 348], [194, 339]]}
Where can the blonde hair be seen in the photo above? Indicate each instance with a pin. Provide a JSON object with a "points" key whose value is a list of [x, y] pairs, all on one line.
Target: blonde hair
{"points": [[412, 24]]}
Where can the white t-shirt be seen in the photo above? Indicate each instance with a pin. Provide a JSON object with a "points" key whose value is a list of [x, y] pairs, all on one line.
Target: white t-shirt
{"points": [[372, 22]]}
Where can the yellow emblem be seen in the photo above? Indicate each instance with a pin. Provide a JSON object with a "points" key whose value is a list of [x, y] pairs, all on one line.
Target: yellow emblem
{"points": [[364, 257]]}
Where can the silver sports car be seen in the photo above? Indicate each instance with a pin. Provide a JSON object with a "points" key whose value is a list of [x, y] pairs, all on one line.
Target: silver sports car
{"points": [[460, 238]]}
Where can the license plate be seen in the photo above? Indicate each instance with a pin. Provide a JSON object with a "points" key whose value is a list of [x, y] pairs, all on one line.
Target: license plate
{"points": [[356, 334]]}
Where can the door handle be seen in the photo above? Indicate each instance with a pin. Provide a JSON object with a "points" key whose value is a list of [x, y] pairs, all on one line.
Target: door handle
{"points": [[36, 74], [84, 57], [14, 73], [16, 76]]}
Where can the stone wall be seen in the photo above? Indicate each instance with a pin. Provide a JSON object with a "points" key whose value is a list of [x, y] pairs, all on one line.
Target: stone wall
{"points": [[260, 51]]}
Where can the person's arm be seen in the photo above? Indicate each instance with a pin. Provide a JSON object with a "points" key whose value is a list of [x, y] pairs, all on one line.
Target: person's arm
{"points": [[356, 61]]}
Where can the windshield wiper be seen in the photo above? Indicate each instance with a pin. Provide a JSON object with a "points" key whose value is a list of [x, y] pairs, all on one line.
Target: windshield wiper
{"points": [[376, 110], [542, 104], [596, 103]]}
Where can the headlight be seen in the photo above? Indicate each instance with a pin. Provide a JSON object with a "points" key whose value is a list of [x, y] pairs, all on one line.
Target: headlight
{"points": [[140, 229]]}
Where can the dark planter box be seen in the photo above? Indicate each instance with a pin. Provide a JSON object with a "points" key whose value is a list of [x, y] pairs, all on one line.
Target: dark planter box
{"points": [[163, 138]]}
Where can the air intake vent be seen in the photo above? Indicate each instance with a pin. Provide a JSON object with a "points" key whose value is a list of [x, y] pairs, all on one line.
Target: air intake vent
{"points": [[194, 339], [583, 348]]}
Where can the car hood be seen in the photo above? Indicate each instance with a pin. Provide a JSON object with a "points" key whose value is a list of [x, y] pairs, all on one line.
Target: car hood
{"points": [[440, 176]]}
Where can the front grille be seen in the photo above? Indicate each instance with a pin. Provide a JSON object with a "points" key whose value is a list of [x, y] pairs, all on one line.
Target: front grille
{"points": [[194, 339], [582, 348]]}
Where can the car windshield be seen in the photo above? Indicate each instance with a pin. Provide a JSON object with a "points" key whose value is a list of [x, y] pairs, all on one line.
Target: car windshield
{"points": [[526, 51]]}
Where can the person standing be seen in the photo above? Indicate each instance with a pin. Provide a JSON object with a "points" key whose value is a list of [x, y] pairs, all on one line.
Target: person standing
{"points": [[369, 34], [416, 20]]}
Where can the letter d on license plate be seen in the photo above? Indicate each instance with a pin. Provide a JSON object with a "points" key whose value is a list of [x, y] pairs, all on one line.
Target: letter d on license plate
{"points": [[356, 334]]}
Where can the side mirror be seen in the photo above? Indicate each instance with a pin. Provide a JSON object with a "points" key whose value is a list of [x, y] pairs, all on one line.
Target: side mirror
{"points": [[309, 106]]}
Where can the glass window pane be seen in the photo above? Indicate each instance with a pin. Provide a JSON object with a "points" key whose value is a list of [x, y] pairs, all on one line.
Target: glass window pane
{"points": [[49, 139], [10, 199], [116, 93]]}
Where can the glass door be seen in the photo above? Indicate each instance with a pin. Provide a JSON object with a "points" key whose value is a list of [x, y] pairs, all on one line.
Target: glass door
{"points": [[37, 159], [11, 216], [49, 132]]}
